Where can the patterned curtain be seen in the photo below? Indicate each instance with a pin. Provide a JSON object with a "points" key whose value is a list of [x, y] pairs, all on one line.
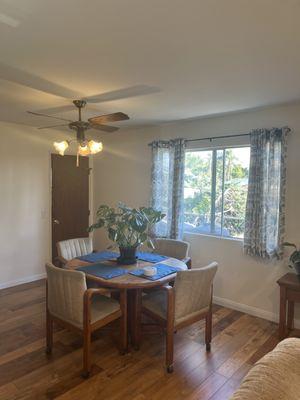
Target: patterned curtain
{"points": [[265, 209], [167, 186]]}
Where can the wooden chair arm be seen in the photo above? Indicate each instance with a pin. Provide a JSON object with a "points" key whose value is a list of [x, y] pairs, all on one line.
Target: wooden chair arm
{"points": [[170, 294], [166, 288], [61, 260], [170, 307], [90, 292], [169, 290], [163, 287], [188, 262], [87, 302]]}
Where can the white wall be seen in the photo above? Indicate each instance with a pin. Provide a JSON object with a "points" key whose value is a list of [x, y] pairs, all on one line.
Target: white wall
{"points": [[123, 171], [24, 203]]}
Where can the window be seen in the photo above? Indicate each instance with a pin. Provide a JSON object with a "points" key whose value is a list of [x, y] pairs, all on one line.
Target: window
{"points": [[215, 191]]}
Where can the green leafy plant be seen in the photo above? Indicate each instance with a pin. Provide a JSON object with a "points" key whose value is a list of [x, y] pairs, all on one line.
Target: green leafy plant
{"points": [[127, 227], [295, 256]]}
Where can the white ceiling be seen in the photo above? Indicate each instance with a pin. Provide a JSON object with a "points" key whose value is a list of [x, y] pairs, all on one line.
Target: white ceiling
{"points": [[205, 56]]}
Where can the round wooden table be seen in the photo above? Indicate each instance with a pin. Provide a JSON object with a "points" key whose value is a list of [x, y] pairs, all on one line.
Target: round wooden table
{"points": [[132, 286]]}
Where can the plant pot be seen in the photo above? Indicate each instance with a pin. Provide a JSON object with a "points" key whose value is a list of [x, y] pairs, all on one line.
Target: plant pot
{"points": [[127, 255], [296, 266]]}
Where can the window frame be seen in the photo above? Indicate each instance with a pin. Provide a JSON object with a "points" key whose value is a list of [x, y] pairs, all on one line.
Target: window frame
{"points": [[214, 150]]}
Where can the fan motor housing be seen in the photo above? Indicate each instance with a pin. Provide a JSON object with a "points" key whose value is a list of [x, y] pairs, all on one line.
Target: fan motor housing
{"points": [[80, 127], [79, 103]]}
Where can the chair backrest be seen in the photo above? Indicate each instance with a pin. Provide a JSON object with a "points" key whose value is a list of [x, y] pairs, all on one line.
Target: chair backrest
{"points": [[172, 248], [72, 248], [193, 291], [65, 293]]}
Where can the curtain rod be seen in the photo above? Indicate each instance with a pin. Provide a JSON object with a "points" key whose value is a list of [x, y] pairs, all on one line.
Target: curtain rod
{"points": [[217, 137], [209, 138]]}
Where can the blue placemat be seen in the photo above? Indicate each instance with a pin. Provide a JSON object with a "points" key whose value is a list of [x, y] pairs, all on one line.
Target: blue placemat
{"points": [[162, 270], [103, 270], [100, 256], [150, 257]]}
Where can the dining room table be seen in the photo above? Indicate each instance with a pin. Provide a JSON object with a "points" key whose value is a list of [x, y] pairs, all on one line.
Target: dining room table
{"points": [[132, 286]]}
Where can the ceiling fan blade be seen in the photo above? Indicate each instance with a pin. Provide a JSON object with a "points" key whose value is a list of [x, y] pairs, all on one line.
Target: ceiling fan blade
{"points": [[64, 108], [102, 119], [104, 128], [59, 109], [53, 126], [13, 15], [48, 116], [16, 75], [8, 20], [132, 91]]}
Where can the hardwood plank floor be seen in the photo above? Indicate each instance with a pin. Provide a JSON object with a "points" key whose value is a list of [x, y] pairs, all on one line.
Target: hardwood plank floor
{"points": [[239, 340]]}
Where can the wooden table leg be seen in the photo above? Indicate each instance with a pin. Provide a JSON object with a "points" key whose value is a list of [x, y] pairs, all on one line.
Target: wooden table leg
{"points": [[124, 321], [290, 317], [134, 316], [282, 313]]}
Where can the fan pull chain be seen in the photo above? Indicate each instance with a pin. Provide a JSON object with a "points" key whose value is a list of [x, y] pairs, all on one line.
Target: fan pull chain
{"points": [[77, 160]]}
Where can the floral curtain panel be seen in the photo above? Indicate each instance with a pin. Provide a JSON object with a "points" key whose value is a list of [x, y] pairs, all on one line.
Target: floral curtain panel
{"points": [[167, 186], [265, 209]]}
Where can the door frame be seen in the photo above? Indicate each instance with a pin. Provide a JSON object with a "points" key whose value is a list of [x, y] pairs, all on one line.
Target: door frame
{"points": [[91, 199]]}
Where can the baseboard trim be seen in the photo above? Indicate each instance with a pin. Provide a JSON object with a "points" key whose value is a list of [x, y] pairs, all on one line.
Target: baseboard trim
{"points": [[21, 281], [256, 312]]}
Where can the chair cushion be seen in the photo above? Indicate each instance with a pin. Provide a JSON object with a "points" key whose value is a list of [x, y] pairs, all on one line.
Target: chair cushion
{"points": [[103, 306]]}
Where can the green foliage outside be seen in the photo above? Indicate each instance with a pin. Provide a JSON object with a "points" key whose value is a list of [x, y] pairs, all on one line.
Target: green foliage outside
{"points": [[198, 190]]}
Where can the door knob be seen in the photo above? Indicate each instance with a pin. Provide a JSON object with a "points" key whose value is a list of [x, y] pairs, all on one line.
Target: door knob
{"points": [[56, 221]]}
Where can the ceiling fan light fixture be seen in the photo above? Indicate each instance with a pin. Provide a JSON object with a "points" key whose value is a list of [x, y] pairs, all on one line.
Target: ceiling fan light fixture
{"points": [[95, 147], [61, 147], [83, 150]]}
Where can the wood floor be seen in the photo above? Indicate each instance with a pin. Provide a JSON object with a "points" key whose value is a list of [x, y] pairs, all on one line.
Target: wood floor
{"points": [[239, 340]]}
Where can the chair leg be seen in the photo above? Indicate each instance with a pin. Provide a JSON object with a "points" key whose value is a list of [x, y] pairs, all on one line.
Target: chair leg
{"points": [[49, 333], [123, 322], [86, 353], [208, 329], [170, 348]]}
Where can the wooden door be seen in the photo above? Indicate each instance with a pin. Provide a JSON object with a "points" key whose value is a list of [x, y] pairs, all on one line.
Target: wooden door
{"points": [[70, 198]]}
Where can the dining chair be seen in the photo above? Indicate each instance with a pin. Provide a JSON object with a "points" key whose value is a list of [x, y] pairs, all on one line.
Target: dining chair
{"points": [[188, 301], [173, 248], [72, 248], [70, 304]]}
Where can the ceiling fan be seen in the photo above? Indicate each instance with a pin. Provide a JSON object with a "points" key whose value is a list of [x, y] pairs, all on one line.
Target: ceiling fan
{"points": [[85, 146]]}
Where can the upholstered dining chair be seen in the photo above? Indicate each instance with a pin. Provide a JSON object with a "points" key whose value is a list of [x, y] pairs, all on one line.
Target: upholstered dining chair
{"points": [[68, 249], [188, 301], [173, 248], [72, 305]]}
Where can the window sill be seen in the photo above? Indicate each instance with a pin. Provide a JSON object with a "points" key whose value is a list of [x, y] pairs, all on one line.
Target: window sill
{"points": [[214, 236]]}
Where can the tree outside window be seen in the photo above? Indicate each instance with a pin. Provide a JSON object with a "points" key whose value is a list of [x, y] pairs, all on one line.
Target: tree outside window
{"points": [[215, 191]]}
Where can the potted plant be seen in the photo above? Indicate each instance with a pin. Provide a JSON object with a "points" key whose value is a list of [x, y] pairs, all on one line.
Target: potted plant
{"points": [[294, 257], [127, 227]]}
